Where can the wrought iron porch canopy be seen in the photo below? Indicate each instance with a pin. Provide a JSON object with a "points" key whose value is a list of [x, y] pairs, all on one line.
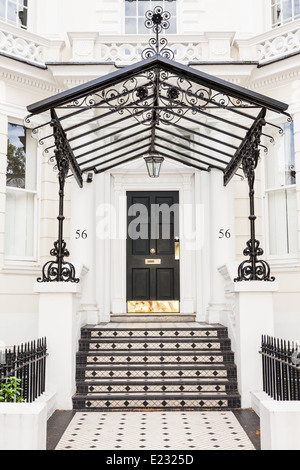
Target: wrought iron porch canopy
{"points": [[188, 116]]}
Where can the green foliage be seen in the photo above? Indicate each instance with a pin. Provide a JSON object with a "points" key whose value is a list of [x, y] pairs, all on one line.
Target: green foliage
{"points": [[10, 391]]}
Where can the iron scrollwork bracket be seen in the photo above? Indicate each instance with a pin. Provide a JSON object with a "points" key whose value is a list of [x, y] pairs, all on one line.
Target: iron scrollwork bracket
{"points": [[253, 269], [59, 270]]}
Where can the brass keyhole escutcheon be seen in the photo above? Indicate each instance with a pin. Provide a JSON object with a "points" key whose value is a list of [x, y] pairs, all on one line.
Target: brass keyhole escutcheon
{"points": [[152, 251]]}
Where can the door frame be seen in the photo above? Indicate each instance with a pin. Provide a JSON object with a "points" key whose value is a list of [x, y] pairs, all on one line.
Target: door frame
{"points": [[176, 179]]}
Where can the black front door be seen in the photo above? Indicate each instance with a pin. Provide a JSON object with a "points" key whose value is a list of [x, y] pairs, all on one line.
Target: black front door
{"points": [[153, 252]]}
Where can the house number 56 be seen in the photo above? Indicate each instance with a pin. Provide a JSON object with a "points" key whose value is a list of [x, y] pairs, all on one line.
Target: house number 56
{"points": [[224, 233], [81, 234]]}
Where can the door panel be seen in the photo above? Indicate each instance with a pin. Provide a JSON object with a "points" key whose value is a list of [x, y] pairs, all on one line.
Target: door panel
{"points": [[152, 270], [140, 284], [165, 284]]}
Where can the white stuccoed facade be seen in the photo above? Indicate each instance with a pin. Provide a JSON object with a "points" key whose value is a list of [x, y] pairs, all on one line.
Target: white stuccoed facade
{"points": [[67, 45]]}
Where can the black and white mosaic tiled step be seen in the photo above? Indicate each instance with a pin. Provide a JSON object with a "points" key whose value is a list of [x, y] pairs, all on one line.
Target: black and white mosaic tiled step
{"points": [[189, 367]]}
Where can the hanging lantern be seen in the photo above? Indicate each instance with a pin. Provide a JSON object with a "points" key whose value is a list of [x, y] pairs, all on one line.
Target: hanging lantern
{"points": [[154, 161]]}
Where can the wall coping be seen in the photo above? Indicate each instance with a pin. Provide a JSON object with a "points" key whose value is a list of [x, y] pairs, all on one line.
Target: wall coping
{"points": [[255, 286], [56, 288]]}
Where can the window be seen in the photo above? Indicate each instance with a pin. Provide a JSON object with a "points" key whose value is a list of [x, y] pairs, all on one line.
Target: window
{"points": [[285, 11], [281, 196], [21, 195], [135, 15], [14, 12]]}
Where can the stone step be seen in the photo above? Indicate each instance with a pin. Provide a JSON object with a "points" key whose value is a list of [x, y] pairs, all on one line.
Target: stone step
{"points": [[159, 385], [153, 371], [147, 344], [162, 333], [152, 357], [178, 401]]}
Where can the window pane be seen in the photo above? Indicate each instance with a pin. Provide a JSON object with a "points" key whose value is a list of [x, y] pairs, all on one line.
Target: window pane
{"points": [[287, 13], [171, 7], [130, 8], [12, 12], [277, 226], [297, 8], [155, 3], [283, 227], [2, 9], [143, 6], [130, 26], [173, 27], [292, 221], [16, 156], [141, 26], [19, 224]]}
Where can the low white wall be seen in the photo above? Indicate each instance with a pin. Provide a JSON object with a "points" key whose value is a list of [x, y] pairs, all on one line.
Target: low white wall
{"points": [[50, 399], [279, 422], [23, 426]]}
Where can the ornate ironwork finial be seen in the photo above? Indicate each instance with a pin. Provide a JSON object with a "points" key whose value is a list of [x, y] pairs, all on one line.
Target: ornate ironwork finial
{"points": [[157, 20]]}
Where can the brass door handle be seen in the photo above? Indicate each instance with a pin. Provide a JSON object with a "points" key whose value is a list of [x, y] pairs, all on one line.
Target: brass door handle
{"points": [[152, 251]]}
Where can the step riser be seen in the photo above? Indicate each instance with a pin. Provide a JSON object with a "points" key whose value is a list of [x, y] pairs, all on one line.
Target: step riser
{"points": [[111, 389], [159, 359], [133, 404], [86, 346], [162, 374], [175, 334]]}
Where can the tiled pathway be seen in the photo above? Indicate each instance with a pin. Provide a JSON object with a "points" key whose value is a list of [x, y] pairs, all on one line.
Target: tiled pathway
{"points": [[207, 430]]}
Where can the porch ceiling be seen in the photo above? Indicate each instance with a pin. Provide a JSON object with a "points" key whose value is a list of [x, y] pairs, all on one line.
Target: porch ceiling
{"points": [[157, 104]]}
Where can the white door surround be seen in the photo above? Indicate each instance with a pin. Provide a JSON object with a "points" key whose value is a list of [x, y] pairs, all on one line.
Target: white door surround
{"points": [[171, 179], [102, 207]]}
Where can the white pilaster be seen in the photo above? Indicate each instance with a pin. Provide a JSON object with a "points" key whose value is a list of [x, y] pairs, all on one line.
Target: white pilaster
{"points": [[83, 246], [187, 246], [202, 244], [222, 240], [103, 245]]}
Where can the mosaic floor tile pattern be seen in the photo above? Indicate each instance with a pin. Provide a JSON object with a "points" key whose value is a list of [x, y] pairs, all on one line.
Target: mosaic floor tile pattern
{"points": [[210, 430]]}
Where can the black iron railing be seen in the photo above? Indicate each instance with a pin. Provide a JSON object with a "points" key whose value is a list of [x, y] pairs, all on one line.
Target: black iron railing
{"points": [[26, 362], [281, 369]]}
